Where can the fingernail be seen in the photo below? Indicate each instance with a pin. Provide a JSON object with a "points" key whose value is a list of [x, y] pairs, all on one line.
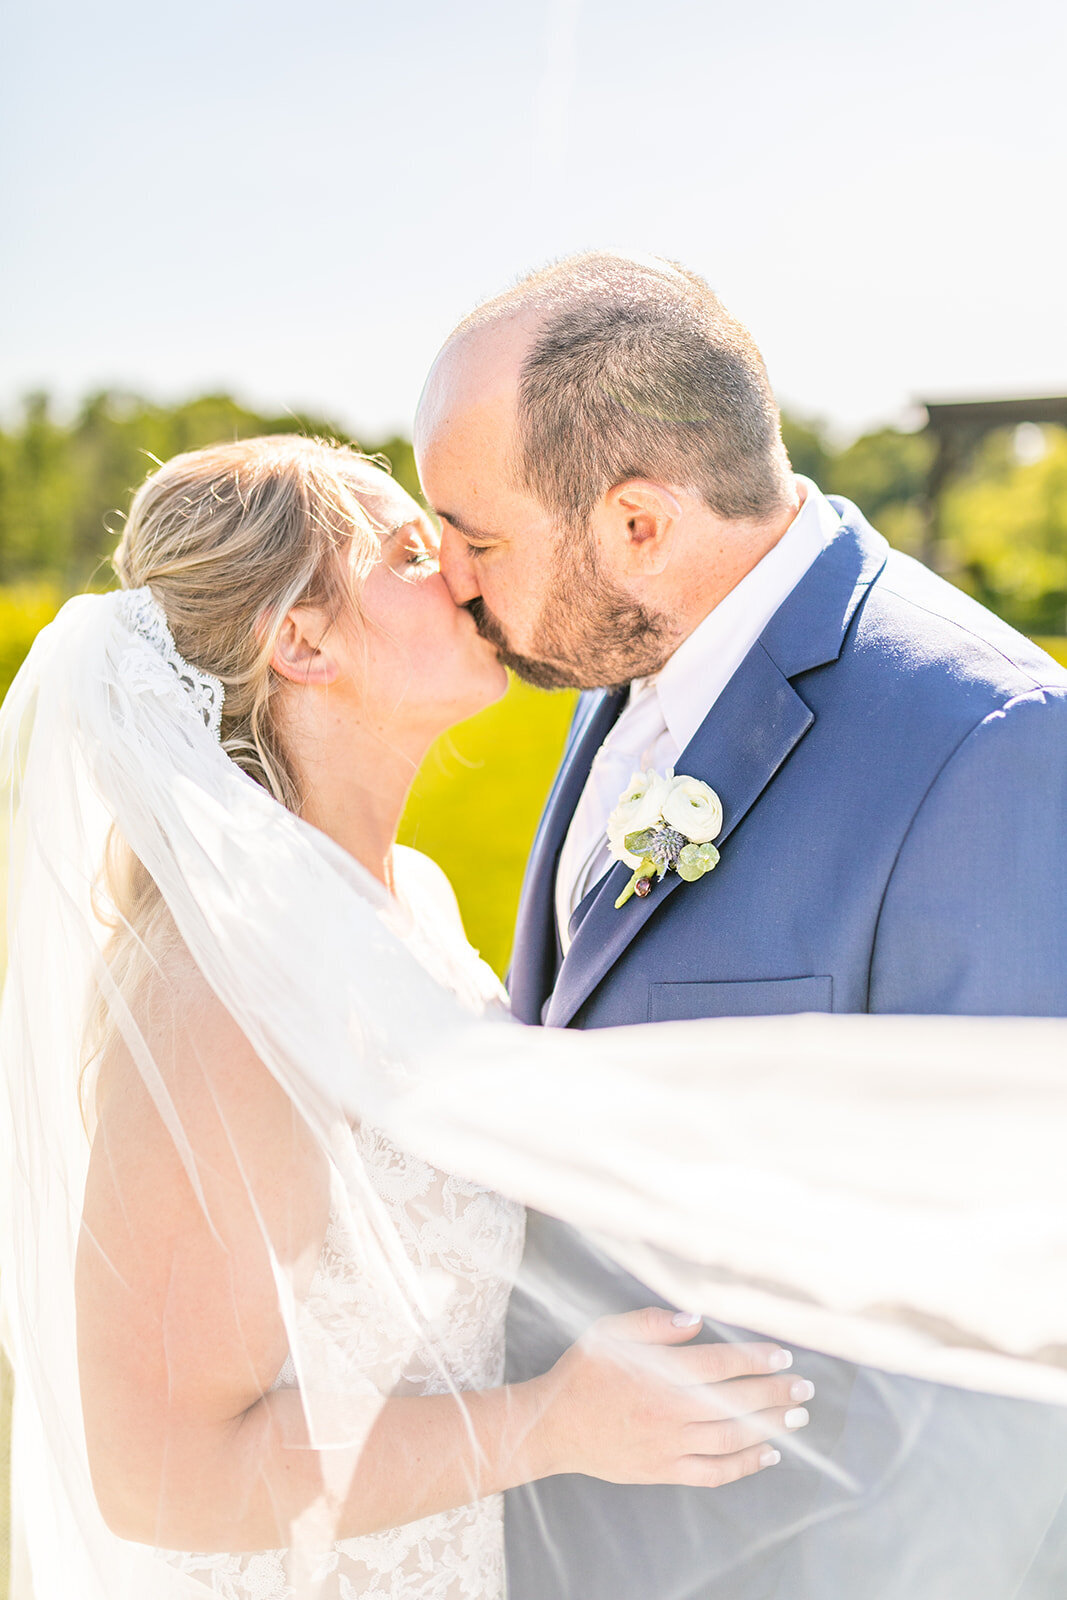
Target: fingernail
{"points": [[780, 1360], [769, 1457], [795, 1418], [687, 1319], [803, 1389]]}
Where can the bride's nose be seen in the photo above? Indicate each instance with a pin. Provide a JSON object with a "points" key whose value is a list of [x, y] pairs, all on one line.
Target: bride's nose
{"points": [[457, 568]]}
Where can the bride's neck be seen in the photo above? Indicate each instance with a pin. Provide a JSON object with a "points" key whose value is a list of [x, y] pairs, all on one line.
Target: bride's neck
{"points": [[355, 785]]}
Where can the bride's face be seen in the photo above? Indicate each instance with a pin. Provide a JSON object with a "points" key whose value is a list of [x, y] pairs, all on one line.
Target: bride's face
{"points": [[418, 663]]}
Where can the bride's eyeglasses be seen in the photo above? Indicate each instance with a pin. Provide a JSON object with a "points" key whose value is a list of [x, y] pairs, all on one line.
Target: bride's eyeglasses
{"points": [[415, 547]]}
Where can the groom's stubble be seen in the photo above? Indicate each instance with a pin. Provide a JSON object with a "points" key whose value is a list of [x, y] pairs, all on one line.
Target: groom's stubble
{"points": [[590, 634]]}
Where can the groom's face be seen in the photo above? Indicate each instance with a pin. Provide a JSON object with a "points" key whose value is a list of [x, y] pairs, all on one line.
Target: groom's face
{"points": [[538, 590]]}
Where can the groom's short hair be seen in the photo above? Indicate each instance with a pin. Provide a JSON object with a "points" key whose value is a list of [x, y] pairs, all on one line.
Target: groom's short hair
{"points": [[636, 369]]}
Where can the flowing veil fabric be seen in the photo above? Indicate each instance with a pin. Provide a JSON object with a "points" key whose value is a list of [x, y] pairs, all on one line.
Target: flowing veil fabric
{"points": [[888, 1190]]}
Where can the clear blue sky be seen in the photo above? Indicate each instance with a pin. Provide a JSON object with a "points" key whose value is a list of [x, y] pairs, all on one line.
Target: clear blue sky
{"points": [[295, 202]]}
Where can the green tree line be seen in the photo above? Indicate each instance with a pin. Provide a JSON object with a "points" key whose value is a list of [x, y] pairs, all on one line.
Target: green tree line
{"points": [[1003, 523], [65, 482]]}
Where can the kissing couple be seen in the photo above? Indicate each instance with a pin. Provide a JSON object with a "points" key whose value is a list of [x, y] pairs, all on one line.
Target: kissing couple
{"points": [[329, 1269]]}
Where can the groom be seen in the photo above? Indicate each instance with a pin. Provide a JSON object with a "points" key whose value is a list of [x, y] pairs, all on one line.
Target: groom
{"points": [[603, 449]]}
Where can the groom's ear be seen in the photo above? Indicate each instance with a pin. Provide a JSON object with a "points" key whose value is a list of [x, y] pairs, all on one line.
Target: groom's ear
{"points": [[635, 526], [300, 652]]}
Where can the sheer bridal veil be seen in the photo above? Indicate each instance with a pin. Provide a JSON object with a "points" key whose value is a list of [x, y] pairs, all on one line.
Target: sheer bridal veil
{"points": [[892, 1191]]}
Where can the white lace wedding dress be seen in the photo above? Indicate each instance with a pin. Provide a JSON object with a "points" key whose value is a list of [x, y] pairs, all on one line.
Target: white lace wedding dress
{"points": [[465, 1242]]}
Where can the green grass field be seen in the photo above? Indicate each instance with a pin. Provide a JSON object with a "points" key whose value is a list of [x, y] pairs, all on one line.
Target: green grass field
{"points": [[1055, 647]]}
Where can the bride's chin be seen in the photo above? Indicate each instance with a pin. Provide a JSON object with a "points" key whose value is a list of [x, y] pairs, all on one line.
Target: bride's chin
{"points": [[501, 680], [490, 685]]}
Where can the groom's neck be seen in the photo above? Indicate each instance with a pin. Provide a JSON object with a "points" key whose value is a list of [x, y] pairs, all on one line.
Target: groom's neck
{"points": [[719, 553]]}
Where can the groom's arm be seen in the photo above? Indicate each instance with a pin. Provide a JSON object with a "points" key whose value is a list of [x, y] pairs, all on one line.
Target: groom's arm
{"points": [[974, 918]]}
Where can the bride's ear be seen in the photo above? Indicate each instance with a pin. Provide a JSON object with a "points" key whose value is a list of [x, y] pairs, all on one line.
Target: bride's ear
{"points": [[300, 652]]}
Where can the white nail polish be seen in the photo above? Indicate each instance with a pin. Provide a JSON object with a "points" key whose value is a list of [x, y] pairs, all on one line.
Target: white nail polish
{"points": [[803, 1389], [687, 1319], [795, 1418], [780, 1360], [769, 1457]]}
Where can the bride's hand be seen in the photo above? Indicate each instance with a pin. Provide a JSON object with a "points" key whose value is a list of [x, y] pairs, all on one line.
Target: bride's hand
{"points": [[623, 1405]]}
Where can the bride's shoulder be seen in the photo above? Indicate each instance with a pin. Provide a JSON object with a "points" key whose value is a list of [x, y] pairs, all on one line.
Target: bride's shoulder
{"points": [[420, 877], [431, 900]]}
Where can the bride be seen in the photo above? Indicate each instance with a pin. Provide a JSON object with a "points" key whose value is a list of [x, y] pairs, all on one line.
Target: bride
{"points": [[300, 585], [268, 1127]]}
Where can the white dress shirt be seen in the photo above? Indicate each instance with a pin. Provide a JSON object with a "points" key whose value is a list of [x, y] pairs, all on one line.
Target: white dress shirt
{"points": [[664, 711]]}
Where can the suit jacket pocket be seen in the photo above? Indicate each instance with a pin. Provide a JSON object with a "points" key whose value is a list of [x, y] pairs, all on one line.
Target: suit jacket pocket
{"points": [[762, 997]]}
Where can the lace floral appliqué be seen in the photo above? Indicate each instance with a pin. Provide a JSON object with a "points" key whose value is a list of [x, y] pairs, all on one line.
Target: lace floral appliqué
{"points": [[147, 620]]}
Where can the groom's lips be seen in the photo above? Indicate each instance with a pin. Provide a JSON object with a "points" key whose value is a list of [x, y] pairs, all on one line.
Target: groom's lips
{"points": [[543, 672]]}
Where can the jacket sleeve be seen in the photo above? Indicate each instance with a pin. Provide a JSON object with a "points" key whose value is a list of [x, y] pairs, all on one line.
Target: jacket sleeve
{"points": [[974, 917]]}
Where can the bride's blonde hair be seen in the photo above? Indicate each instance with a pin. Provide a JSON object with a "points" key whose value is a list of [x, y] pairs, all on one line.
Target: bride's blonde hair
{"points": [[229, 539]]}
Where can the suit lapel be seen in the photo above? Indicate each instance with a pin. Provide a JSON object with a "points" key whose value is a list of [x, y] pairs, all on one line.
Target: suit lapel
{"points": [[738, 754], [758, 719], [536, 952]]}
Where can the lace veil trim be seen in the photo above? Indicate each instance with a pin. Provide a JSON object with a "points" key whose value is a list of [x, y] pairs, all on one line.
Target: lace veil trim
{"points": [[146, 619]]}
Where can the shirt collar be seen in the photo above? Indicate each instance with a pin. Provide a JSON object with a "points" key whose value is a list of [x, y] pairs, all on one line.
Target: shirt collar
{"points": [[695, 675]]}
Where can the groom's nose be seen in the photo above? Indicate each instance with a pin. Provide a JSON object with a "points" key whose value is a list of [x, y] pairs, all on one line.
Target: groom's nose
{"points": [[457, 568]]}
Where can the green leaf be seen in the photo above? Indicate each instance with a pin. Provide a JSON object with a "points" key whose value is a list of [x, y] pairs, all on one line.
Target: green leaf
{"points": [[628, 891], [696, 859], [641, 841]]}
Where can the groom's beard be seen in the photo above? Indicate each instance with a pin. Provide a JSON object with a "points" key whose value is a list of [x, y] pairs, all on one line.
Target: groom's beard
{"points": [[591, 634]]}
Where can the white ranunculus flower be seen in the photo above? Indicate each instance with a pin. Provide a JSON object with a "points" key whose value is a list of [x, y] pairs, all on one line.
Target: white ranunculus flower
{"points": [[640, 806], [694, 809]]}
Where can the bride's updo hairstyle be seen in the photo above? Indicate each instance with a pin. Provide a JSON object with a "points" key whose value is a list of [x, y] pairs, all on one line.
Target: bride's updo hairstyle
{"points": [[229, 539]]}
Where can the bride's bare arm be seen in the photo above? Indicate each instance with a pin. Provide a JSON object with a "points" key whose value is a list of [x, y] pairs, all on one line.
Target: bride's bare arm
{"points": [[180, 1338]]}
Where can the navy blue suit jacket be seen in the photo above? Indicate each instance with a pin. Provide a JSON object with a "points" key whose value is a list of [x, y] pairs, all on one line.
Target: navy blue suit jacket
{"points": [[892, 762]]}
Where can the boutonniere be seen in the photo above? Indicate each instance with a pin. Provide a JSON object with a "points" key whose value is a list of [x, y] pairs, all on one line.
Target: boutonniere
{"points": [[663, 825]]}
